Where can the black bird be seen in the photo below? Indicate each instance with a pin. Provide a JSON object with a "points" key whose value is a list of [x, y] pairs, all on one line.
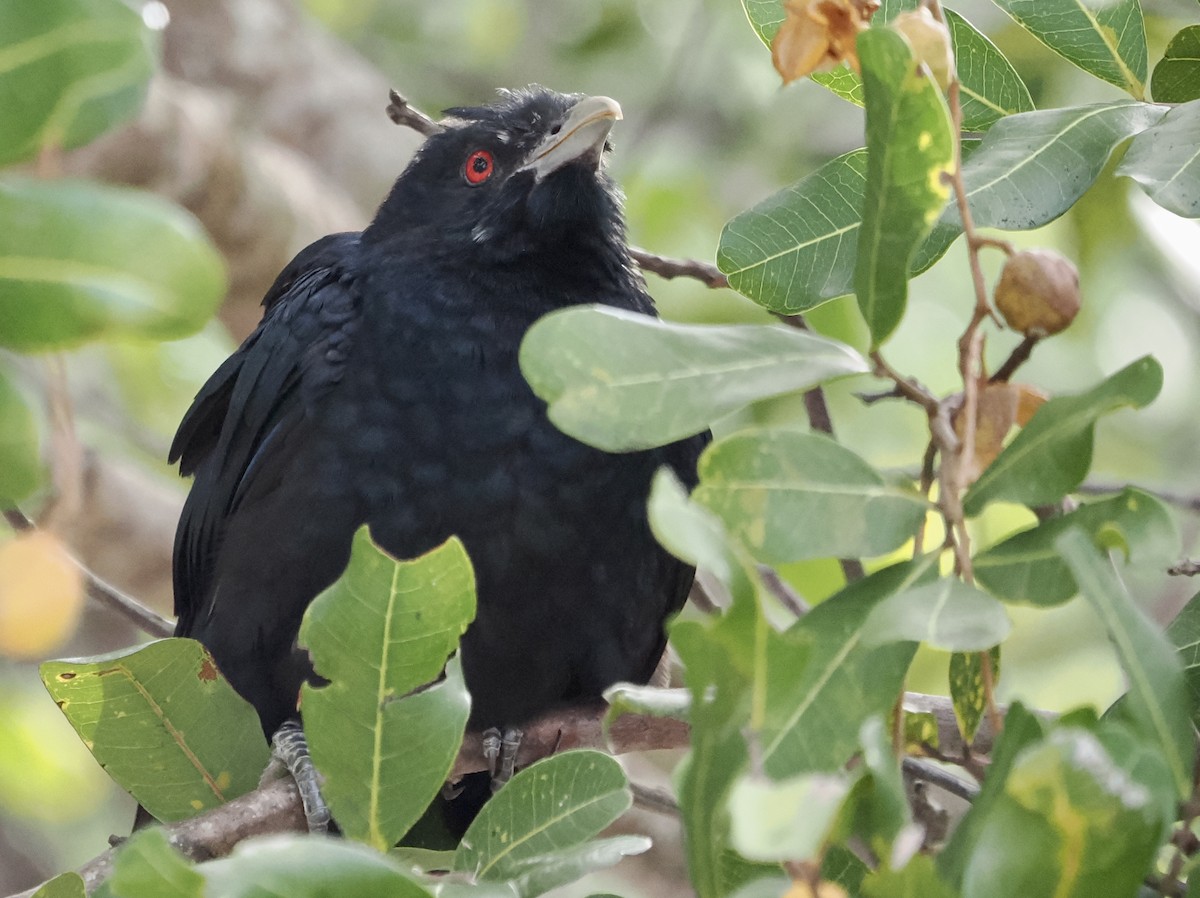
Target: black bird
{"points": [[382, 387]]}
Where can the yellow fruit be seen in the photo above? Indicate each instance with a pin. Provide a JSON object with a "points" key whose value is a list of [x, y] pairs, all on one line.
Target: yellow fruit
{"points": [[1038, 292], [41, 595]]}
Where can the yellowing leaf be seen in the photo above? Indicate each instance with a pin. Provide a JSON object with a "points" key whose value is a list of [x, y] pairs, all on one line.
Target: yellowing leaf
{"points": [[41, 595]]}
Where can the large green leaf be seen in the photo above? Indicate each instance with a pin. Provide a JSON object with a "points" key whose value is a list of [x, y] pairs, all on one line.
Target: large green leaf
{"points": [[148, 867], [69, 71], [81, 260], [164, 724], [1157, 703], [539, 874], [1176, 78], [910, 150], [990, 87], [789, 495], [796, 249], [1071, 823], [1184, 634], [21, 469], [65, 885], [560, 802], [916, 879], [947, 614], [619, 380], [1052, 453], [1026, 567], [787, 820], [1165, 160], [1104, 37], [381, 631]]}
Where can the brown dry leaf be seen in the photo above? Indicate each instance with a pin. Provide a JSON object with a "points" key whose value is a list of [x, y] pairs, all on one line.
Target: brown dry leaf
{"points": [[41, 595], [999, 407], [817, 35]]}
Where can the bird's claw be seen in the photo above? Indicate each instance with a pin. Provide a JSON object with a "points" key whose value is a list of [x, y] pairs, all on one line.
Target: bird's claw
{"points": [[289, 750], [491, 749], [510, 744]]}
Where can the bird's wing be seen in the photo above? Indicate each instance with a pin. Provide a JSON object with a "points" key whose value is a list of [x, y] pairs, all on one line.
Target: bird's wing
{"points": [[252, 413]]}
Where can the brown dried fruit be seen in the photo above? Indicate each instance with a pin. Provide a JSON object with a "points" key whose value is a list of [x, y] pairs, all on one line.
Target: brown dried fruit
{"points": [[930, 40], [817, 35], [1038, 292]]}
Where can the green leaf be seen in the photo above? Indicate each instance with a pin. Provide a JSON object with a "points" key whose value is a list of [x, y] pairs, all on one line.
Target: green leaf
{"points": [[65, 885], [80, 261], [164, 724], [1026, 567], [146, 864], [788, 495], [558, 868], [1021, 729], [796, 249], [1176, 78], [306, 867], [966, 689], [1103, 37], [69, 71], [381, 631], [917, 879], [787, 820], [883, 797], [1158, 700], [1184, 634], [650, 701], [560, 802], [21, 468], [1071, 823], [910, 148], [618, 380], [990, 87], [947, 614], [1165, 160], [1053, 452], [812, 720]]}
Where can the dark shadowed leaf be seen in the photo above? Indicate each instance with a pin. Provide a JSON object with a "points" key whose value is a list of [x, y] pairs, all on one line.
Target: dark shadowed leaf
{"points": [[1165, 160], [1026, 567], [788, 495], [990, 86], [1184, 634], [909, 149], [559, 802], [1176, 78], [164, 724], [1104, 37], [21, 468], [619, 380], [382, 630], [947, 614], [1053, 452], [69, 71], [80, 261], [1157, 704]]}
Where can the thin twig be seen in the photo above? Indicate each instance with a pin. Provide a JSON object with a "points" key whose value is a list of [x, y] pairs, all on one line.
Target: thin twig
{"points": [[926, 484], [667, 267], [1187, 568], [401, 112], [787, 596], [906, 387], [931, 773], [653, 799], [1020, 355]]}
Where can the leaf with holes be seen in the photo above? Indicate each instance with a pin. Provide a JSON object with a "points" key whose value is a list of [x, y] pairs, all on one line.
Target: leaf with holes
{"points": [[164, 724], [559, 802], [69, 71], [1104, 37], [1165, 161], [382, 631]]}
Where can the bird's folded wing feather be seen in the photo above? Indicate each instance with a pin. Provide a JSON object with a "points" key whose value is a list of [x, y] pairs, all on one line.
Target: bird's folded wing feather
{"points": [[255, 409]]}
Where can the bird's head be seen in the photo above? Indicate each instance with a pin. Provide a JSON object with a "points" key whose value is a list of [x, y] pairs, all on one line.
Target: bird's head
{"points": [[522, 175]]}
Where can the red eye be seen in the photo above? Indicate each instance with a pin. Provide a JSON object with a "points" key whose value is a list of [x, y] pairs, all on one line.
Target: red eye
{"points": [[479, 167]]}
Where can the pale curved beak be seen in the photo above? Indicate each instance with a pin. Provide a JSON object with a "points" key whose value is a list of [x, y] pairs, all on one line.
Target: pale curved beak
{"points": [[581, 136]]}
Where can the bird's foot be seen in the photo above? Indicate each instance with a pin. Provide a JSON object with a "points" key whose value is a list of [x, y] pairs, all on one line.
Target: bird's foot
{"points": [[500, 750], [289, 752]]}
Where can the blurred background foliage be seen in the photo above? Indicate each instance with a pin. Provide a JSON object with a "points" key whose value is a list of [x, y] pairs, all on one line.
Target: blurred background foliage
{"points": [[707, 132]]}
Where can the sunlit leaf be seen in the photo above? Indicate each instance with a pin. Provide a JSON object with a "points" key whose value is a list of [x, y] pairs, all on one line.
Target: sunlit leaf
{"points": [[1176, 78], [619, 380], [65, 885], [1026, 567], [788, 495], [1165, 160], [382, 630], [990, 86], [1053, 452], [81, 260], [909, 150], [69, 71], [1104, 37], [1158, 699], [164, 723]]}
